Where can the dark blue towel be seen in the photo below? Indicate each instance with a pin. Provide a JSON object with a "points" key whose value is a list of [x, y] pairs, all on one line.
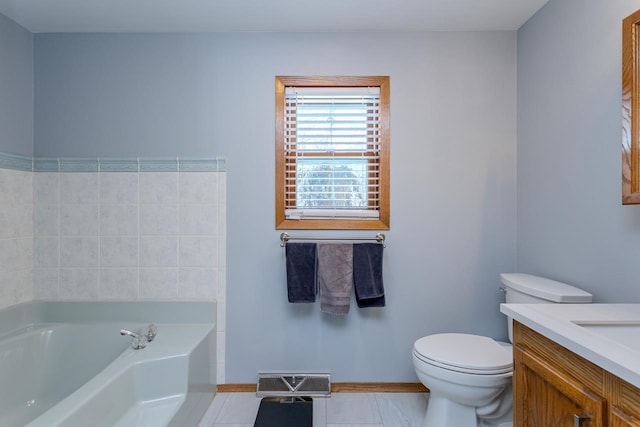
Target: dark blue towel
{"points": [[367, 274], [301, 272]]}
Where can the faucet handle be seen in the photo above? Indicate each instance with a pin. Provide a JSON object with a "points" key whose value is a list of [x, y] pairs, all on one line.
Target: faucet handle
{"points": [[150, 332], [139, 342]]}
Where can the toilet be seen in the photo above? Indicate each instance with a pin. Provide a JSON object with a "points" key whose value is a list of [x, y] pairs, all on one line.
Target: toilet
{"points": [[469, 376]]}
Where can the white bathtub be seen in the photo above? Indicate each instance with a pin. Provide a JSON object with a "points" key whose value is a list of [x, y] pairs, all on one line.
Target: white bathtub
{"points": [[66, 364]]}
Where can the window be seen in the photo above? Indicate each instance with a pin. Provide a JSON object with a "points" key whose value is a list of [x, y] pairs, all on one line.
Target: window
{"points": [[332, 153]]}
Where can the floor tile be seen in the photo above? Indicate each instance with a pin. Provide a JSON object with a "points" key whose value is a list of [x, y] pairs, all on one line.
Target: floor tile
{"points": [[353, 408], [402, 409], [239, 408], [339, 410], [214, 410], [354, 425], [320, 411]]}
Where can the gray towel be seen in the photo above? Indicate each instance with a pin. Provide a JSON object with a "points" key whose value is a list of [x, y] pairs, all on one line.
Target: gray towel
{"points": [[301, 272], [335, 277], [367, 275]]}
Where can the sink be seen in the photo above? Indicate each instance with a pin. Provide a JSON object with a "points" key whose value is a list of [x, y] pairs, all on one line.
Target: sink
{"points": [[625, 333], [607, 335]]}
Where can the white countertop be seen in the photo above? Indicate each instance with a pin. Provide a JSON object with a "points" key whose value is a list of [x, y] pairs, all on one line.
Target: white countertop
{"points": [[565, 324]]}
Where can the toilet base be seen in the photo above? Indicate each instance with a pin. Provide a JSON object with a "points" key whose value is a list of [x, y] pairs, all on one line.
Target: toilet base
{"points": [[443, 412]]}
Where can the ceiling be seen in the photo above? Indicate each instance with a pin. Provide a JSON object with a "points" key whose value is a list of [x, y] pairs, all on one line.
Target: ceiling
{"points": [[39, 16]]}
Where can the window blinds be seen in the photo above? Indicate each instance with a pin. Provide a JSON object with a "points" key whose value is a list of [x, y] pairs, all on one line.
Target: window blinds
{"points": [[332, 152]]}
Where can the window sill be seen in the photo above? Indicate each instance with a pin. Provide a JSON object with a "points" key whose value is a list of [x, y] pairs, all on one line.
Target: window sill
{"points": [[331, 224]]}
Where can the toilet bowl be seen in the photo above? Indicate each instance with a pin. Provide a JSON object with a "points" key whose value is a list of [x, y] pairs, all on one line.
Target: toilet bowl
{"points": [[469, 377]]}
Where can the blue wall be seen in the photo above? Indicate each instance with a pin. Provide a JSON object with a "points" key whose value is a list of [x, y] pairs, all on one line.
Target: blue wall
{"points": [[452, 173], [571, 224], [16, 88], [453, 184]]}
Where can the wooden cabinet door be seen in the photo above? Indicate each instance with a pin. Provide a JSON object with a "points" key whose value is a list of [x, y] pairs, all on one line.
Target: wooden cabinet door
{"points": [[619, 418], [546, 397]]}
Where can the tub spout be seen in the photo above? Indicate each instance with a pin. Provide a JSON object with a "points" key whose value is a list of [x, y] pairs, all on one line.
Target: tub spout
{"points": [[128, 332], [139, 341]]}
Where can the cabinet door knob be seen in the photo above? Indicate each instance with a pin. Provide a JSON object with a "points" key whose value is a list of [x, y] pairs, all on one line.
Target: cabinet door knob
{"points": [[578, 419]]}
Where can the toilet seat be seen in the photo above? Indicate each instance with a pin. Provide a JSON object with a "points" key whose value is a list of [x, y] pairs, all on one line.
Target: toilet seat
{"points": [[465, 353]]}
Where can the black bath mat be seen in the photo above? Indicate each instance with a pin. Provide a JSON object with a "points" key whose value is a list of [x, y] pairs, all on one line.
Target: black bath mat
{"points": [[285, 412]]}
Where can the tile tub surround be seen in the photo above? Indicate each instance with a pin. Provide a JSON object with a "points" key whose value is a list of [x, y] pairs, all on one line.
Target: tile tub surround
{"points": [[114, 229], [16, 234]]}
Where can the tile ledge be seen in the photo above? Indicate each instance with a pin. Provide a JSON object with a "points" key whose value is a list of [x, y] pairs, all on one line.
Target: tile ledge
{"points": [[111, 165]]}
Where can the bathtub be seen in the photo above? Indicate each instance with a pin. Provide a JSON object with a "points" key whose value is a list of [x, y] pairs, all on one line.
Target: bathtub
{"points": [[66, 364]]}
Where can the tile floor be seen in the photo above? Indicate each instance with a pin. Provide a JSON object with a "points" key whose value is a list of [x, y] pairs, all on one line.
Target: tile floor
{"points": [[339, 410]]}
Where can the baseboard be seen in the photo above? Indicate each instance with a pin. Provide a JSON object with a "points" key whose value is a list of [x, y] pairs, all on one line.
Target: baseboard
{"points": [[237, 388], [378, 388], [341, 388]]}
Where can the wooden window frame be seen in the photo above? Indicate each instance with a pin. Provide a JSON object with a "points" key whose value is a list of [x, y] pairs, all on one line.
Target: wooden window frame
{"points": [[382, 223]]}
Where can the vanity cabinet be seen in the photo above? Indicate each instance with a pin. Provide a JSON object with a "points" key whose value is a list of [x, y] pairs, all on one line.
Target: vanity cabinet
{"points": [[555, 387]]}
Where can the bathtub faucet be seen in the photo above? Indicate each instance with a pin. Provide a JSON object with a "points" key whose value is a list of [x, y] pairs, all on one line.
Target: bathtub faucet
{"points": [[139, 341], [150, 332]]}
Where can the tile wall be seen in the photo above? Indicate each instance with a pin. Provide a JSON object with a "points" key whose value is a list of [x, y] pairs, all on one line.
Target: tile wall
{"points": [[16, 231], [126, 229]]}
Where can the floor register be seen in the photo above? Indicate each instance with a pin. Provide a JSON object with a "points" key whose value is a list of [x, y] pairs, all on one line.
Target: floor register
{"points": [[287, 399]]}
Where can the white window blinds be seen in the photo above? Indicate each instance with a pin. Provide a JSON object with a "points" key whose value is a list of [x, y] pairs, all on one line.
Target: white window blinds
{"points": [[332, 153]]}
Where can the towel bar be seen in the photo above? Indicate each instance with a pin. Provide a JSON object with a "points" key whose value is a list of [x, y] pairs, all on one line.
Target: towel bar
{"points": [[285, 237]]}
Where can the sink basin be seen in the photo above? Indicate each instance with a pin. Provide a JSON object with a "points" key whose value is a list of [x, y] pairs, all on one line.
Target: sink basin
{"points": [[625, 333]]}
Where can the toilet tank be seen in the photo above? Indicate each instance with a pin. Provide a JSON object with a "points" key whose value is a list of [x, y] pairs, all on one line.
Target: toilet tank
{"points": [[523, 288]]}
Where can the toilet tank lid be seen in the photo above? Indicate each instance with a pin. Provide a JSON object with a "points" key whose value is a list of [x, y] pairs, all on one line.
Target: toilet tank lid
{"points": [[547, 289]]}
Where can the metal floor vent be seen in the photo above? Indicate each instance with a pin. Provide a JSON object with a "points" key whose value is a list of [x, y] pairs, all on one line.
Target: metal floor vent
{"points": [[289, 384]]}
